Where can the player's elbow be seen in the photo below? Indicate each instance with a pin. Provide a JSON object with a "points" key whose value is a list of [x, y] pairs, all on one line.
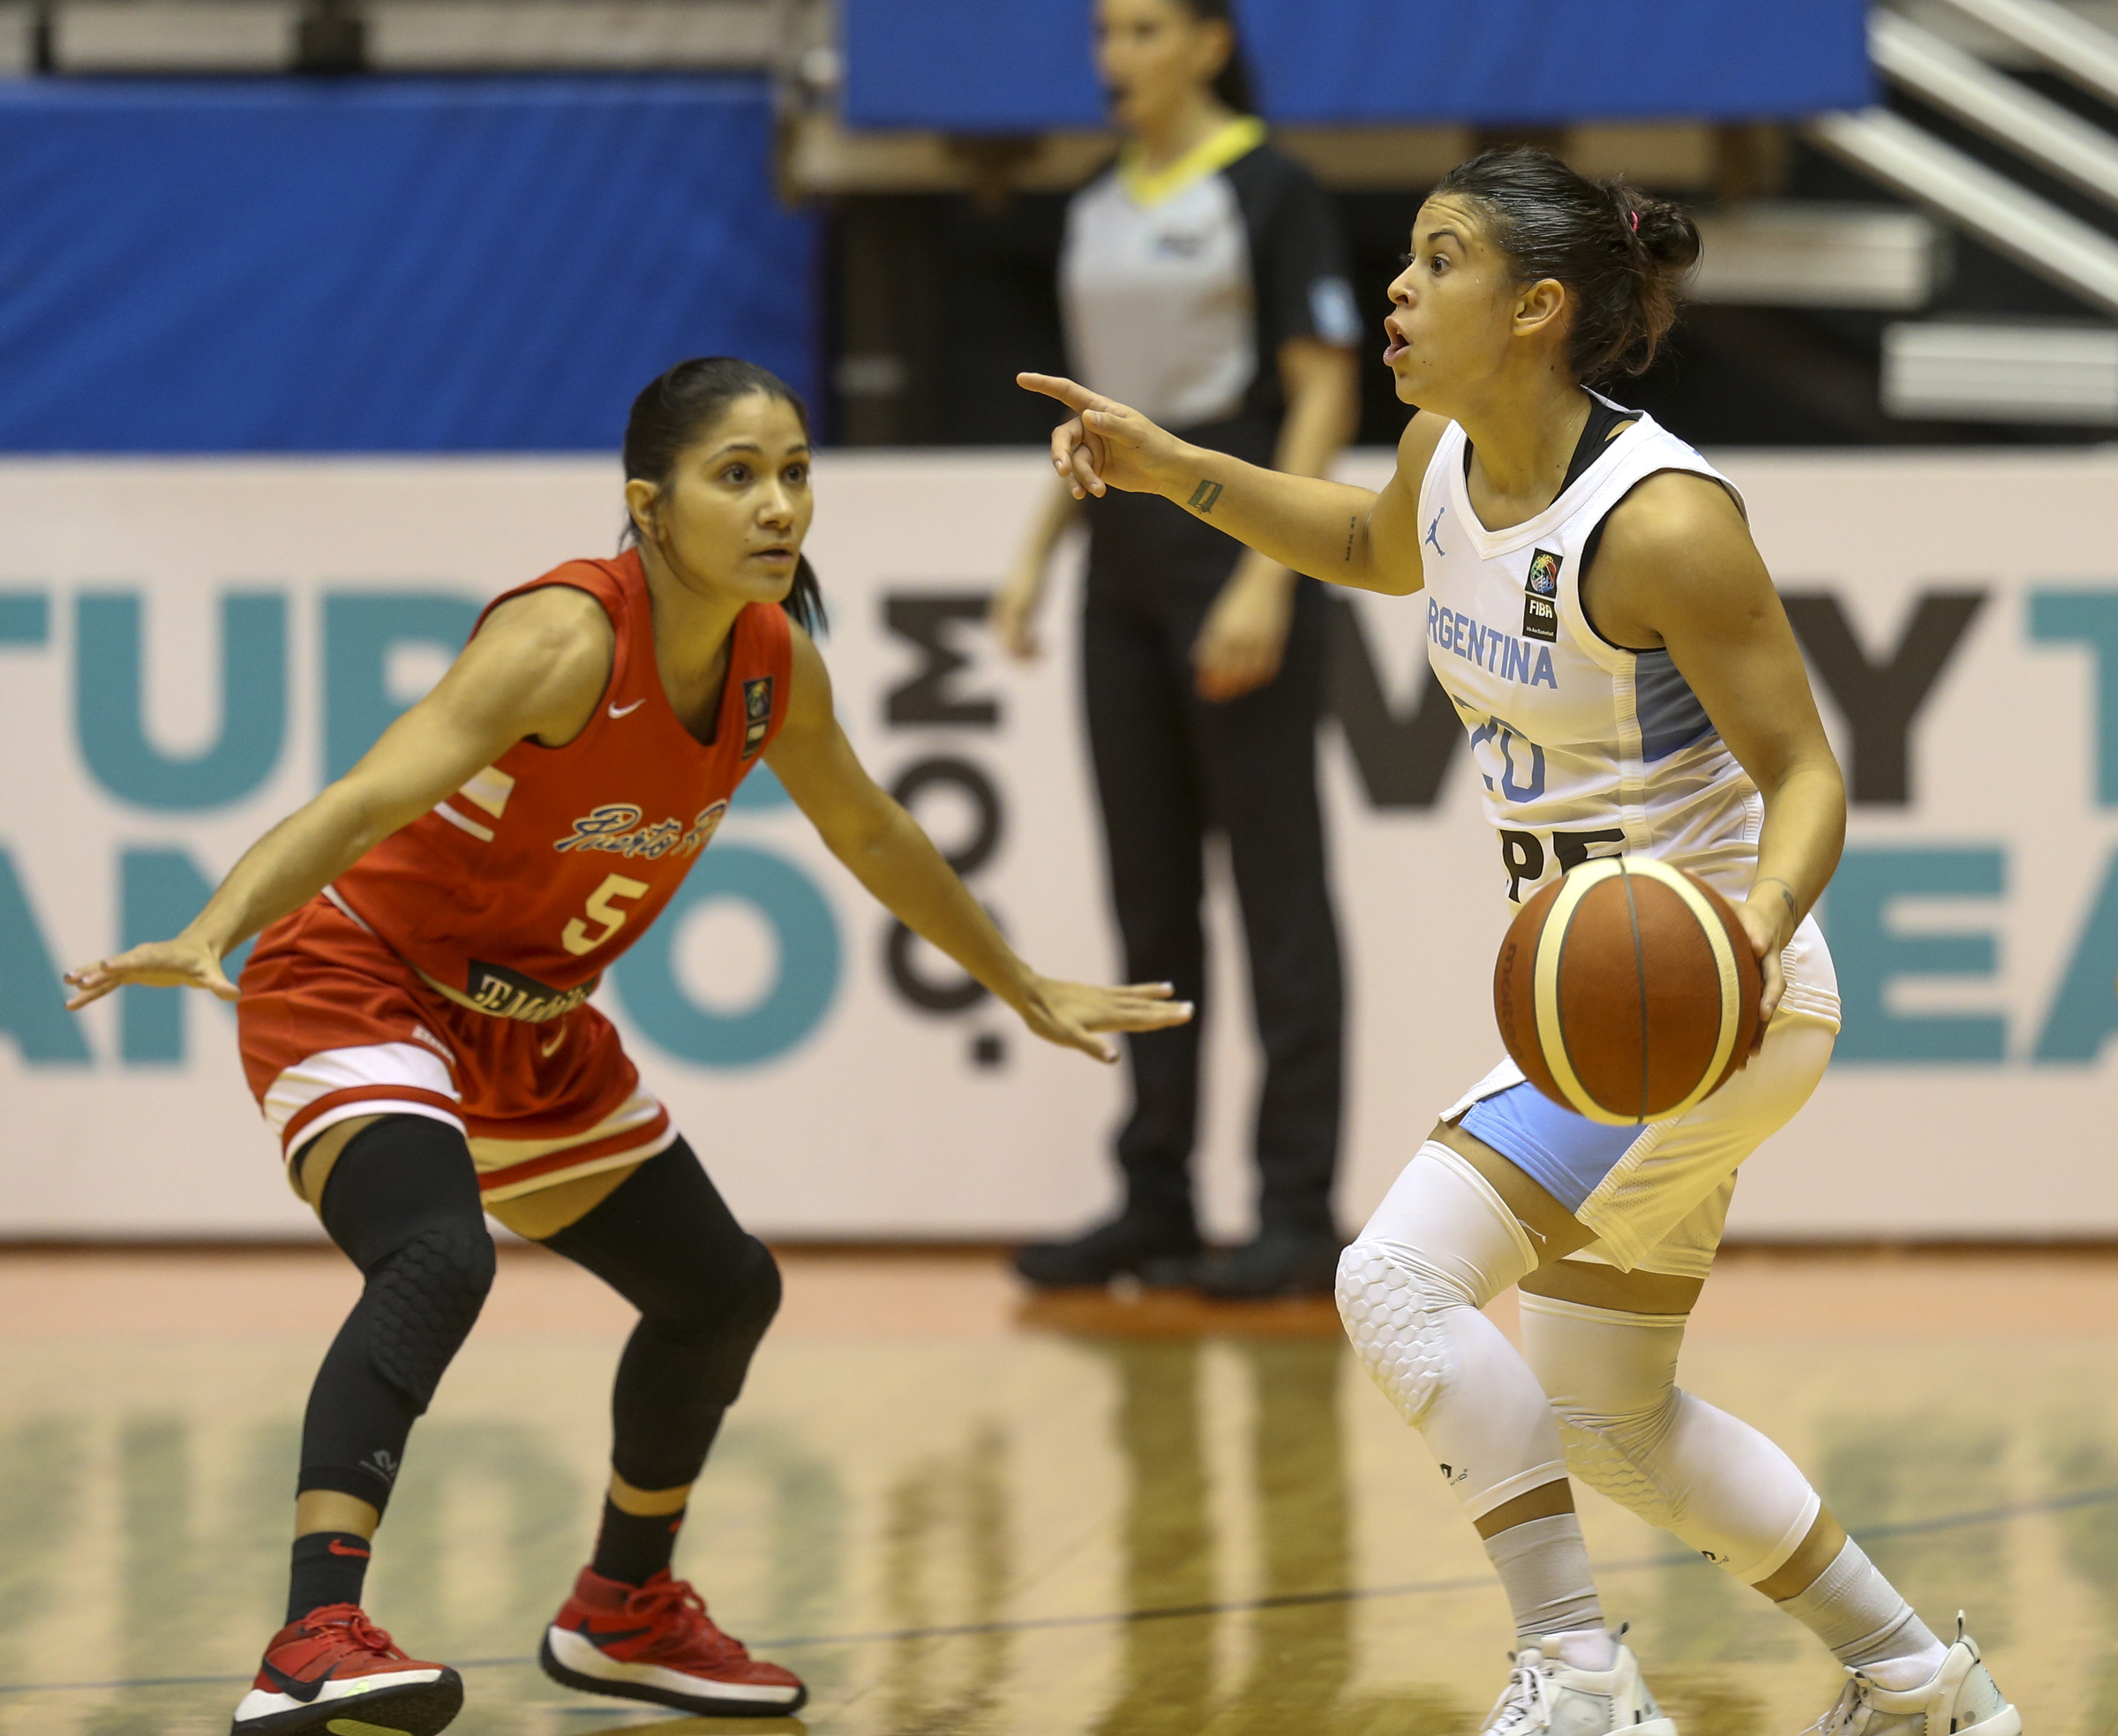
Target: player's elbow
{"points": [[1815, 767], [1810, 790], [865, 835]]}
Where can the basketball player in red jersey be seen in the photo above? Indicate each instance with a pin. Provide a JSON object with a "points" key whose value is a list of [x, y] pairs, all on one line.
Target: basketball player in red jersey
{"points": [[414, 1025]]}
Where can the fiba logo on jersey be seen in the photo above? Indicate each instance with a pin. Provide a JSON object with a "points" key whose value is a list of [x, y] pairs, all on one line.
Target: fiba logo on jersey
{"points": [[1540, 612]]}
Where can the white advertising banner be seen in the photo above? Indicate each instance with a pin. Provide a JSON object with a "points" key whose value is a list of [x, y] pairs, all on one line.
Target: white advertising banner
{"points": [[189, 649]]}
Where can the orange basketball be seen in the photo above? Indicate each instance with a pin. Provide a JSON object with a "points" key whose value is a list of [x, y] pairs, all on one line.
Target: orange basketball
{"points": [[1627, 991]]}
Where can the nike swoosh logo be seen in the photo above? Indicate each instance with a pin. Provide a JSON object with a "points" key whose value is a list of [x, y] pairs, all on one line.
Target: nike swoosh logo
{"points": [[603, 1642], [551, 1049], [625, 711], [302, 1691], [338, 1548]]}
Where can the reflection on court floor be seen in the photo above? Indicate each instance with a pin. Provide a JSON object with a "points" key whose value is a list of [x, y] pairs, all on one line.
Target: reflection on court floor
{"points": [[950, 1519]]}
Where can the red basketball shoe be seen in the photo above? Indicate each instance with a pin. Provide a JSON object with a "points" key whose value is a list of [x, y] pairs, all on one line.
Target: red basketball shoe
{"points": [[335, 1670], [655, 1642]]}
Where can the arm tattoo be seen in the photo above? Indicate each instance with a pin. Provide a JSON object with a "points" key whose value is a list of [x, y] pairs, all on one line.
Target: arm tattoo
{"points": [[1203, 498], [1352, 524], [1786, 893]]}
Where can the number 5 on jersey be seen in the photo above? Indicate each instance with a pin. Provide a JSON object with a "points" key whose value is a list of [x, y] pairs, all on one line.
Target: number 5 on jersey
{"points": [[603, 906]]}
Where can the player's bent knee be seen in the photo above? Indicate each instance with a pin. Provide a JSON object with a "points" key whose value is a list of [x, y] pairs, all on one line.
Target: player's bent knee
{"points": [[735, 1294], [1615, 1456], [1631, 1433], [751, 1300], [1389, 1317], [1441, 1241], [723, 1316], [422, 1301], [762, 1288]]}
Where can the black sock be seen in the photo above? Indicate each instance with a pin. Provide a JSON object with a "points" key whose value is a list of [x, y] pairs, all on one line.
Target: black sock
{"points": [[329, 1567], [632, 1547]]}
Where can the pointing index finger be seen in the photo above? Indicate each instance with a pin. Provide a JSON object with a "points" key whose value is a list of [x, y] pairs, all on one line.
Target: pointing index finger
{"points": [[1070, 393]]}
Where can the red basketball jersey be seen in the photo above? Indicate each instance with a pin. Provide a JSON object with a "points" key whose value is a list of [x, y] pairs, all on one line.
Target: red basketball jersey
{"points": [[518, 891]]}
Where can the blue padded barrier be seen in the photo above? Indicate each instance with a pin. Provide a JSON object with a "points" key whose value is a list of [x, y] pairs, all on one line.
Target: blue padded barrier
{"points": [[1019, 65], [382, 264]]}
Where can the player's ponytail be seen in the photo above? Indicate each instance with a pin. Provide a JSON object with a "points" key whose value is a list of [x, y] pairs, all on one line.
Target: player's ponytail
{"points": [[1668, 245], [1622, 255], [678, 409]]}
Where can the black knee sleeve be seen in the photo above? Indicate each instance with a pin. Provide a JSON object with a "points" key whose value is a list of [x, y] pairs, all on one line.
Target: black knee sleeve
{"points": [[402, 1202], [421, 1303], [720, 1310], [706, 1291]]}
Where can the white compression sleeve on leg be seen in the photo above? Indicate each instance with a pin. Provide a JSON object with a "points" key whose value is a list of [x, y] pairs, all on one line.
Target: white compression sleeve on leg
{"points": [[1632, 1434], [1440, 1246]]}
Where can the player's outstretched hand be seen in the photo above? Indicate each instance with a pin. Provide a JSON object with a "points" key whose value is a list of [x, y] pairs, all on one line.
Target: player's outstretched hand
{"points": [[1105, 444], [1071, 1014], [161, 964]]}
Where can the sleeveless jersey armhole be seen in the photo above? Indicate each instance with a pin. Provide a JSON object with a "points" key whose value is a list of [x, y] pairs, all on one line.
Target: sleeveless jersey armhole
{"points": [[1593, 543], [561, 580]]}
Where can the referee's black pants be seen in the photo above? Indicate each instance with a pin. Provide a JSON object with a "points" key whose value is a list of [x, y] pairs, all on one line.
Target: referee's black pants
{"points": [[1170, 768]]}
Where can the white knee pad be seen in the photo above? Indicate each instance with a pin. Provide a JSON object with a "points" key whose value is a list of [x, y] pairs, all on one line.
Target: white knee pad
{"points": [[1440, 1246], [1630, 1433], [1393, 1319]]}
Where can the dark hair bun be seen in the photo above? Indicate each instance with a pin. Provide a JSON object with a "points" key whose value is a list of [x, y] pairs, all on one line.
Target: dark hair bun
{"points": [[1666, 231]]}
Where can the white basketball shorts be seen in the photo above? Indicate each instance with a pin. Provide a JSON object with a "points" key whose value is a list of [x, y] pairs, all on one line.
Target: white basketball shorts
{"points": [[1657, 1196]]}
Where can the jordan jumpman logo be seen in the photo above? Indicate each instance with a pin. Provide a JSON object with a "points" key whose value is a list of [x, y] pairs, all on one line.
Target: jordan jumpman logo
{"points": [[1431, 538]]}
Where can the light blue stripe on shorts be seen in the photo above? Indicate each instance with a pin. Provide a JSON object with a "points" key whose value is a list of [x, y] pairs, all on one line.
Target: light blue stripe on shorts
{"points": [[1566, 1155]]}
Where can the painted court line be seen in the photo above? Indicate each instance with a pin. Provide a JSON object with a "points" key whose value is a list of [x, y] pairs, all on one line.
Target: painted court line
{"points": [[1181, 1612]]}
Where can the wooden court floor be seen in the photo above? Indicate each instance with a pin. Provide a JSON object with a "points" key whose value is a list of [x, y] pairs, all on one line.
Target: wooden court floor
{"points": [[952, 1514]]}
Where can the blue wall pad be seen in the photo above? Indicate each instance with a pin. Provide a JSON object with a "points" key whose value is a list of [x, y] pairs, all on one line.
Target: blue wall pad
{"points": [[1017, 65], [443, 265]]}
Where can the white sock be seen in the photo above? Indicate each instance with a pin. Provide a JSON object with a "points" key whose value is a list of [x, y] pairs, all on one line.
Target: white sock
{"points": [[1852, 1609], [1544, 1566]]}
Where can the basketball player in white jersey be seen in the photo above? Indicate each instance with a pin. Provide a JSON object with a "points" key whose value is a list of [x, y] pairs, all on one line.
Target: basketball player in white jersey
{"points": [[1596, 609]]}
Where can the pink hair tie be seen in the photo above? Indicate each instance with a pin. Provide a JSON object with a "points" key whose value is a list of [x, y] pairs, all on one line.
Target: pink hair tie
{"points": [[1635, 216]]}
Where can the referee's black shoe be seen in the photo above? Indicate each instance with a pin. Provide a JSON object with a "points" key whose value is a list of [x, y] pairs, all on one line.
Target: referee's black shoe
{"points": [[1114, 1249], [1279, 1263]]}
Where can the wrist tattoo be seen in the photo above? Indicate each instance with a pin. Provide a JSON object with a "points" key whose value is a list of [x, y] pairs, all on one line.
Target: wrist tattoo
{"points": [[1203, 498], [1352, 524], [1786, 892]]}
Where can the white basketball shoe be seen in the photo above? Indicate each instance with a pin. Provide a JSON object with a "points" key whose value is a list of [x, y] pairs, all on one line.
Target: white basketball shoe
{"points": [[1960, 1699], [1544, 1695]]}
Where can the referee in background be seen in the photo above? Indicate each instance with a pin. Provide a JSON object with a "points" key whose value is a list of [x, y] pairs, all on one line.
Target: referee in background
{"points": [[1203, 280]]}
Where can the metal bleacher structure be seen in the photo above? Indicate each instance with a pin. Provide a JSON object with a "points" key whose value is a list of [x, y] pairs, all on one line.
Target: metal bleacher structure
{"points": [[1994, 134]]}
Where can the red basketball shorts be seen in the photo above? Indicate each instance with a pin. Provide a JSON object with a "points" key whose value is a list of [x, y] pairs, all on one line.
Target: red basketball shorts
{"points": [[333, 1024]]}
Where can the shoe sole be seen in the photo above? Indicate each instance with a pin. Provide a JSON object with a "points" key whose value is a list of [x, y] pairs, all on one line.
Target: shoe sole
{"points": [[418, 1709], [697, 1705]]}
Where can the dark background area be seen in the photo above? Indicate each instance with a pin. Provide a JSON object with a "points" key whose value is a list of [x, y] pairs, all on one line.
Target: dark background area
{"points": [[943, 297]]}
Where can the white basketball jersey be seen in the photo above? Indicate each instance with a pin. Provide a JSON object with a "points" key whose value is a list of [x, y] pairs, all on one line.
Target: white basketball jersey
{"points": [[1585, 748]]}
